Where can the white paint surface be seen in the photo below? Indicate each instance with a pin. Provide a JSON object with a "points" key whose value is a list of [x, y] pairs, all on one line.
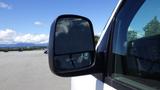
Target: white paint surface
{"points": [[88, 82]]}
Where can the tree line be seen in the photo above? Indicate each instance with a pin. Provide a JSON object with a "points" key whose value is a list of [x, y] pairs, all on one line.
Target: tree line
{"points": [[150, 29], [6, 49]]}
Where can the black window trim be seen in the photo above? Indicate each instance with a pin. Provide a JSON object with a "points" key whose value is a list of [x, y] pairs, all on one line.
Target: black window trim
{"points": [[135, 5]]}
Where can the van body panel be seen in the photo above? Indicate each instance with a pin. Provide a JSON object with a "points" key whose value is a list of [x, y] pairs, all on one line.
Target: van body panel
{"points": [[88, 82]]}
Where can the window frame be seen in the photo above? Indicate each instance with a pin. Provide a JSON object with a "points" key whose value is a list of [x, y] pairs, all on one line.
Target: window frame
{"points": [[127, 5], [119, 34]]}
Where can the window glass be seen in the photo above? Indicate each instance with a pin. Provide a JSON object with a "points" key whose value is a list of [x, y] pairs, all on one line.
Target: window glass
{"points": [[140, 66]]}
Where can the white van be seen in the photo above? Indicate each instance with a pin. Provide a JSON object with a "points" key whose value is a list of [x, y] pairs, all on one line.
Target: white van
{"points": [[127, 56]]}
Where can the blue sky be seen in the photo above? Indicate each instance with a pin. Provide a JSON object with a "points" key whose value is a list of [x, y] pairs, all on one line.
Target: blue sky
{"points": [[34, 17], [145, 14]]}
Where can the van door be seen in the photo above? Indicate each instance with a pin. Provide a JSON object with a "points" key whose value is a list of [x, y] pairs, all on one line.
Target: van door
{"points": [[135, 51]]}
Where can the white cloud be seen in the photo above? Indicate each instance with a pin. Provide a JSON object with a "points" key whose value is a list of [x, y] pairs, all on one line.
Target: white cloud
{"points": [[38, 23], [7, 35], [5, 5], [11, 36], [32, 38]]}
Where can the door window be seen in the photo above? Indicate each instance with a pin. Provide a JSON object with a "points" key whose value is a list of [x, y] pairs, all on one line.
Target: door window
{"points": [[140, 65]]}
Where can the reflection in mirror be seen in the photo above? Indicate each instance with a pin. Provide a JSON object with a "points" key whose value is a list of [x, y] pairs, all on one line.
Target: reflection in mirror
{"points": [[72, 61], [73, 35], [74, 44]]}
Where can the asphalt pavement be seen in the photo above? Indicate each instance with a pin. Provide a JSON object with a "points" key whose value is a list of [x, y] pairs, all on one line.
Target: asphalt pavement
{"points": [[29, 70]]}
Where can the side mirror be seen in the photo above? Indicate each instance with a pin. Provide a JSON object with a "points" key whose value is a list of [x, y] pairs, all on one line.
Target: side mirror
{"points": [[71, 46]]}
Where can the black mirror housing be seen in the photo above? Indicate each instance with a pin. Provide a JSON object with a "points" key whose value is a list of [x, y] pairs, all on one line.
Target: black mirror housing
{"points": [[71, 46]]}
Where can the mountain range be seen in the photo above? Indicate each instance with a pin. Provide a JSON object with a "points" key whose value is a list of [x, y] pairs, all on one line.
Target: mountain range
{"points": [[22, 45]]}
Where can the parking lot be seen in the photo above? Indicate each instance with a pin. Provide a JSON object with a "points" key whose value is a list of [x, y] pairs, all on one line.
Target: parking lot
{"points": [[28, 70]]}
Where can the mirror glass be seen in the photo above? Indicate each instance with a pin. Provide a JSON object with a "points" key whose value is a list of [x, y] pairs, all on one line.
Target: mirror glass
{"points": [[74, 44], [73, 35]]}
